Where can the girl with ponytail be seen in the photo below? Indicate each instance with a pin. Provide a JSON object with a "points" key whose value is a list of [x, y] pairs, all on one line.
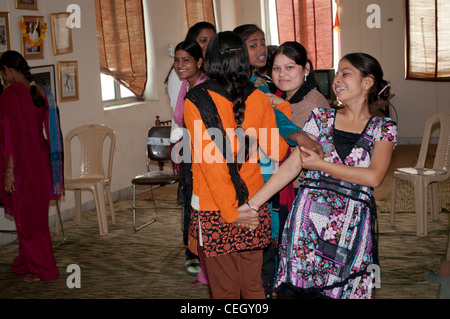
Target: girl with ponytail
{"points": [[13, 61], [31, 165], [330, 237], [224, 117]]}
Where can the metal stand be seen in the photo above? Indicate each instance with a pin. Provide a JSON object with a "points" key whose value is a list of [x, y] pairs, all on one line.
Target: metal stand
{"points": [[155, 218], [61, 223]]}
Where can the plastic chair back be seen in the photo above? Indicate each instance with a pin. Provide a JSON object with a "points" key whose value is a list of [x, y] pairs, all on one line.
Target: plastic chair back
{"points": [[92, 138], [442, 158]]}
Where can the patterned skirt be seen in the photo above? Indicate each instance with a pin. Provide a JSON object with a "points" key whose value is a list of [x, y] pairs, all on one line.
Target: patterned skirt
{"points": [[220, 237], [328, 242]]}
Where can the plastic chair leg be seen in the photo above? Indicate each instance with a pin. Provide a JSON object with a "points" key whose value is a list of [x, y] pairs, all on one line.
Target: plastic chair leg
{"points": [[434, 201], [111, 204], [58, 222], [99, 195], [393, 194], [78, 207]]}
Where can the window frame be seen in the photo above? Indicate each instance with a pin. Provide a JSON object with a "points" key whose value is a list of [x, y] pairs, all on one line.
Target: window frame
{"points": [[118, 99]]}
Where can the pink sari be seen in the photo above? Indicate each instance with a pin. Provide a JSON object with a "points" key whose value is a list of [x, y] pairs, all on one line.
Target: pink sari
{"points": [[22, 138]]}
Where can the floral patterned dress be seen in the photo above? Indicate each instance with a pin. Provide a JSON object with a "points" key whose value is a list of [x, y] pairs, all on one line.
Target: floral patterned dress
{"points": [[329, 238]]}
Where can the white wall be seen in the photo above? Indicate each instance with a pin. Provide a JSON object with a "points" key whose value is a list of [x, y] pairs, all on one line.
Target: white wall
{"points": [[232, 13], [415, 101]]}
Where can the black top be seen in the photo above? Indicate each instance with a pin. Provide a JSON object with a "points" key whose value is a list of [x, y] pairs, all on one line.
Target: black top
{"points": [[344, 142]]}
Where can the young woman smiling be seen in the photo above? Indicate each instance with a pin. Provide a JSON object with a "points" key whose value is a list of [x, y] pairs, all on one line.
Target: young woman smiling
{"points": [[188, 64], [330, 238], [293, 74], [201, 32]]}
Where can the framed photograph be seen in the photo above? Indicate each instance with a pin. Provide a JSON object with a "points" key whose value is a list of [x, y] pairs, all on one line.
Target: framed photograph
{"points": [[34, 26], [68, 81], [5, 34], [61, 33], [27, 4], [45, 75]]}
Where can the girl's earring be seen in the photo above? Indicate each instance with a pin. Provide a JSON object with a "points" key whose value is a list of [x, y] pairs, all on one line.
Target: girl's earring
{"points": [[306, 77]]}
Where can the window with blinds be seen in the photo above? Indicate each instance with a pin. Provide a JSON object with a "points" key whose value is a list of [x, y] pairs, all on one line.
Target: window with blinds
{"points": [[428, 40], [197, 11], [309, 22], [121, 41]]}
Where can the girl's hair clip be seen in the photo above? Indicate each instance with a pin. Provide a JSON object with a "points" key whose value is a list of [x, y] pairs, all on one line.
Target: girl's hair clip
{"points": [[232, 50], [386, 86]]}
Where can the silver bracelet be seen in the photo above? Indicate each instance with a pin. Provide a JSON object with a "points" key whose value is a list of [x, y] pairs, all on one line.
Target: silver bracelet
{"points": [[252, 207]]}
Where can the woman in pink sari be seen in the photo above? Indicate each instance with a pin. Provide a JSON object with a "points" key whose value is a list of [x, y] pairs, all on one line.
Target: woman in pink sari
{"points": [[188, 64], [26, 165]]}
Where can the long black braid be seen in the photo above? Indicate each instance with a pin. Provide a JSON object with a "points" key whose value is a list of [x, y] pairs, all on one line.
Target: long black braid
{"points": [[227, 67], [227, 64], [200, 97]]}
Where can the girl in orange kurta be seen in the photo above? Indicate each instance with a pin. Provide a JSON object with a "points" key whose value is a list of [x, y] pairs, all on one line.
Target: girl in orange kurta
{"points": [[216, 114]]}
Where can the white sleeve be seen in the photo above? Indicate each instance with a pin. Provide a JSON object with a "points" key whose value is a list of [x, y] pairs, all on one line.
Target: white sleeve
{"points": [[173, 88]]}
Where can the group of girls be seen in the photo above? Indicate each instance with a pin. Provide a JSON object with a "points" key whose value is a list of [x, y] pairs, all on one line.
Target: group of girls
{"points": [[250, 230], [325, 238]]}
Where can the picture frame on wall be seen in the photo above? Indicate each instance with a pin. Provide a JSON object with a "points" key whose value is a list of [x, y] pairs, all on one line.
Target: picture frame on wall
{"points": [[5, 32], [27, 4], [61, 33], [34, 26], [45, 75], [68, 81]]}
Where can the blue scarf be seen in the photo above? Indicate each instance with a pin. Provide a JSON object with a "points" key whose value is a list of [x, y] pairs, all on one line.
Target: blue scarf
{"points": [[56, 144]]}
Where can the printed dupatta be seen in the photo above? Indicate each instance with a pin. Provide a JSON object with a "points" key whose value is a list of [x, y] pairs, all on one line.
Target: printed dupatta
{"points": [[56, 144]]}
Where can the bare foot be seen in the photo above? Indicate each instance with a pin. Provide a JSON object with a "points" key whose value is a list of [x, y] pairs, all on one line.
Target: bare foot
{"points": [[31, 278], [196, 283]]}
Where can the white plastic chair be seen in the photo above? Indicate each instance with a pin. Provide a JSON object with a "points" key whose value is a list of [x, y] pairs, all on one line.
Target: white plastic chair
{"points": [[92, 175], [422, 177]]}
